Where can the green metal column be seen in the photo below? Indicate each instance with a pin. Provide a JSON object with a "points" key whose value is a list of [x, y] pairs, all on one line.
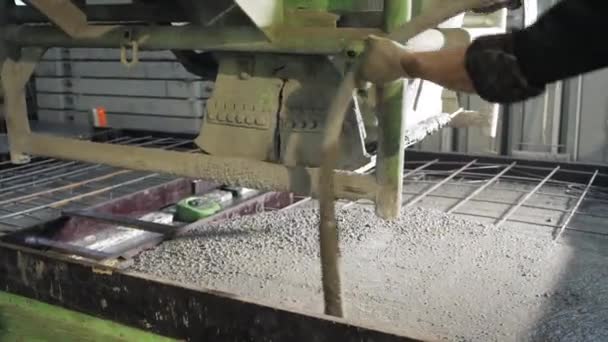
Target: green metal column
{"points": [[391, 125]]}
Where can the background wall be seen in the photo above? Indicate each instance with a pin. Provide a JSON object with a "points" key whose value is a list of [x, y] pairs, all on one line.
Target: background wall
{"points": [[155, 94], [568, 122]]}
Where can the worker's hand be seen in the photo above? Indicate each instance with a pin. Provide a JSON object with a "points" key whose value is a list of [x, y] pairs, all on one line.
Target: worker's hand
{"points": [[382, 62]]}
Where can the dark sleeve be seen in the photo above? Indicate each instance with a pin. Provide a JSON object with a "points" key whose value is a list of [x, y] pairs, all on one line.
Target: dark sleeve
{"points": [[565, 41]]}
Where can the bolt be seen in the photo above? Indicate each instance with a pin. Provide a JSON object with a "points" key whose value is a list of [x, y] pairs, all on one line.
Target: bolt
{"points": [[260, 121]]}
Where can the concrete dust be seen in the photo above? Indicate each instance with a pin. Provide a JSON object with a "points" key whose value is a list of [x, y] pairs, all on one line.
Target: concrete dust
{"points": [[425, 272]]}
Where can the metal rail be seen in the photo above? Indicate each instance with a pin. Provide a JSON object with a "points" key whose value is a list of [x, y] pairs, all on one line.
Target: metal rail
{"points": [[506, 163], [39, 171], [576, 206], [420, 168], [538, 224], [514, 208], [531, 206], [64, 187], [28, 198], [85, 167], [52, 178], [49, 160], [405, 176], [481, 188], [506, 177], [129, 222], [189, 37], [493, 201], [25, 166], [438, 185], [68, 200], [37, 241]]}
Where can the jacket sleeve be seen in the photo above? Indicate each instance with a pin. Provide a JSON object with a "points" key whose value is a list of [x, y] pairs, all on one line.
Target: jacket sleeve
{"points": [[564, 42]]}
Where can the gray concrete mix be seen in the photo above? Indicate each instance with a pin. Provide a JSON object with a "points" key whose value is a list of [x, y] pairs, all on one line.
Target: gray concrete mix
{"points": [[427, 272]]}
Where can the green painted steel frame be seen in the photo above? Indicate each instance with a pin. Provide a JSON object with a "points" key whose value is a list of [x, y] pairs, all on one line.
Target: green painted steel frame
{"points": [[231, 171], [289, 40], [391, 125], [385, 188]]}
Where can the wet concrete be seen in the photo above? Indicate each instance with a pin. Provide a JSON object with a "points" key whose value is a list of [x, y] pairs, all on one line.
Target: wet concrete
{"points": [[425, 272]]}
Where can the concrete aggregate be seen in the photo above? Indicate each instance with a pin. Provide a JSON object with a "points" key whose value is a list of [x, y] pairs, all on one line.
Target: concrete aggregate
{"points": [[426, 272]]}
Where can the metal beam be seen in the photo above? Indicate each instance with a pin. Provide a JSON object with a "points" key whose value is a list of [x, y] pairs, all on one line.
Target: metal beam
{"points": [[420, 168], [63, 247], [436, 186], [391, 125], [306, 40], [576, 206], [108, 13], [126, 221], [230, 171], [481, 188], [69, 18], [514, 208]]}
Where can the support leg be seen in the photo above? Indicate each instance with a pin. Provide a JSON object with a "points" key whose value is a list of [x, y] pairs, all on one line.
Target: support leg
{"points": [[391, 126], [391, 144], [14, 76]]}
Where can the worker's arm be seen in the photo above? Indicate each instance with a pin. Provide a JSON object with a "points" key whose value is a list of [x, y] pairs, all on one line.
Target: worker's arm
{"points": [[565, 41]]}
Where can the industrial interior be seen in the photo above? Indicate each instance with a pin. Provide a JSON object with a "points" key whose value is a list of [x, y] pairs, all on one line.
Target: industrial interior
{"points": [[206, 171]]}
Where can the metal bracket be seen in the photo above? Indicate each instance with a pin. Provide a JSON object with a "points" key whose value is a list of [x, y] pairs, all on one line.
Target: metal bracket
{"points": [[134, 53], [242, 113], [311, 84]]}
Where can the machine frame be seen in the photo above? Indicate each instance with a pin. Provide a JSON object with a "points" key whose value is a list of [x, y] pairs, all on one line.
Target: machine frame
{"points": [[23, 46]]}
